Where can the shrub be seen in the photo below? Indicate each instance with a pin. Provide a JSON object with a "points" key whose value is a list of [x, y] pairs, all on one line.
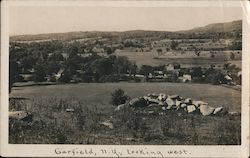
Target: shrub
{"points": [[119, 97]]}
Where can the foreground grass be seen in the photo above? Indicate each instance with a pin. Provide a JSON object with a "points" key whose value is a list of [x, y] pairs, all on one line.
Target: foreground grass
{"points": [[53, 125]]}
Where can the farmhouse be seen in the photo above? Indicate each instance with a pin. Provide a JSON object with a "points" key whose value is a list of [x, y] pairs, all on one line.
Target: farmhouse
{"points": [[185, 78], [157, 76]]}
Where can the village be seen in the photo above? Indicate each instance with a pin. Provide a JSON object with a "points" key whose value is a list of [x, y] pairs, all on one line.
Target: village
{"points": [[91, 49]]}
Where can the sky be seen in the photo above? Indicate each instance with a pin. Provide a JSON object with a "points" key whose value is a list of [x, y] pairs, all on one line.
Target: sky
{"points": [[51, 19]]}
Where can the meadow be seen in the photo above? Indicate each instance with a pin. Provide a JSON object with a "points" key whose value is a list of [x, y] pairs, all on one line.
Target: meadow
{"points": [[100, 93], [187, 59], [91, 104]]}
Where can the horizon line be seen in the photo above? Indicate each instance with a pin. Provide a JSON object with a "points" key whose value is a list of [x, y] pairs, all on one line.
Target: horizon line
{"points": [[30, 34]]}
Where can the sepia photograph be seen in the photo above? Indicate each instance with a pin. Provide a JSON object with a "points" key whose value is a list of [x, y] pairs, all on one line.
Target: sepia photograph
{"points": [[125, 75]]}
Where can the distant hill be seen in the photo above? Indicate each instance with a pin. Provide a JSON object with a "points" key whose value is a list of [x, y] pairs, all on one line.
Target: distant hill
{"points": [[91, 34], [234, 26]]}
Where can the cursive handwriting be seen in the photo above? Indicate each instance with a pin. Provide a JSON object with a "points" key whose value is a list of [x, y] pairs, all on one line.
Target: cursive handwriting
{"points": [[118, 152]]}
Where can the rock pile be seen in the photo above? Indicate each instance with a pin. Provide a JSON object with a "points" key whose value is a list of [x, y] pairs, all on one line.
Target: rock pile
{"points": [[173, 103]]}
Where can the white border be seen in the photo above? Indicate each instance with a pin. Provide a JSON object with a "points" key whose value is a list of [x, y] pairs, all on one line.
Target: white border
{"points": [[195, 151]]}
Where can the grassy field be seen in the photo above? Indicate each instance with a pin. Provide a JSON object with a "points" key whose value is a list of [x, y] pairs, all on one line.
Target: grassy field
{"points": [[99, 93], [188, 59], [53, 125]]}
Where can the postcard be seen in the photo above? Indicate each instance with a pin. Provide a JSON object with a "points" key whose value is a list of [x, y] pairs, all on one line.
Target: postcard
{"points": [[125, 78]]}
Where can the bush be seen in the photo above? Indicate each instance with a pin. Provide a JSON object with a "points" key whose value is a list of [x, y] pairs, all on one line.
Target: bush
{"points": [[65, 78], [119, 97]]}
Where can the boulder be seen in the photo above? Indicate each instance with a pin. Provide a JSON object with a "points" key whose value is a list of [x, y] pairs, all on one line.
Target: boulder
{"points": [[178, 103], [191, 109], [170, 102], [174, 97], [153, 95], [21, 115], [220, 111], [206, 110], [199, 103], [162, 97], [169, 107], [183, 105], [138, 102], [188, 101], [162, 103], [146, 97]]}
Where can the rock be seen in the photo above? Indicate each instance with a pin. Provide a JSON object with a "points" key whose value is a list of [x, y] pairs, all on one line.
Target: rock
{"points": [[178, 103], [169, 107], [170, 102], [21, 115], [162, 97], [153, 95], [162, 103], [138, 102], [183, 105], [163, 108], [153, 101], [206, 110], [191, 109], [120, 107], [174, 96], [220, 111], [188, 101], [199, 103], [153, 105], [108, 124], [146, 97], [217, 110]]}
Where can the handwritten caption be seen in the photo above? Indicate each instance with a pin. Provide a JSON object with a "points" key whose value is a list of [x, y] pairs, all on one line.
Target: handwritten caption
{"points": [[118, 152]]}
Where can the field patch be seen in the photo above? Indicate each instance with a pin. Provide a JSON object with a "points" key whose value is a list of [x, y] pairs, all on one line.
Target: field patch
{"points": [[187, 59], [100, 93]]}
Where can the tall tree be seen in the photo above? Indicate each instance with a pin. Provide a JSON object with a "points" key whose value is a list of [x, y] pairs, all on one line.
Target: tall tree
{"points": [[39, 73]]}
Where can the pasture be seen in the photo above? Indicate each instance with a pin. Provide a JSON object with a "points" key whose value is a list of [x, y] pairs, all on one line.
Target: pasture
{"points": [[99, 93], [91, 101], [187, 59]]}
